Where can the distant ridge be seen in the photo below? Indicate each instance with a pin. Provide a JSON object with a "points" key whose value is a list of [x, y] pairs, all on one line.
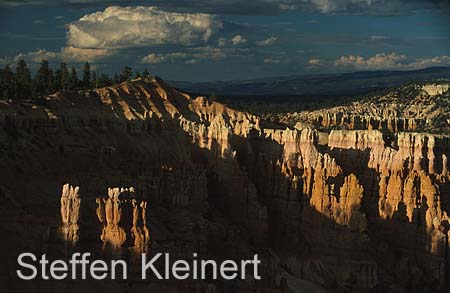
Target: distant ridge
{"points": [[334, 84]]}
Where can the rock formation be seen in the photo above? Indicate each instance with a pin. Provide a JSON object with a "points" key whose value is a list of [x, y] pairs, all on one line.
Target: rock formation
{"points": [[345, 209], [123, 219], [436, 89], [70, 214], [412, 108]]}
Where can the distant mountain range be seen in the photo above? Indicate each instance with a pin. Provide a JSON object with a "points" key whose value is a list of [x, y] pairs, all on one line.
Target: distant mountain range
{"points": [[337, 84]]}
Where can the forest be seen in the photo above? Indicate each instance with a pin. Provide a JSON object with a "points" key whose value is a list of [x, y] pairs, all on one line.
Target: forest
{"points": [[20, 83]]}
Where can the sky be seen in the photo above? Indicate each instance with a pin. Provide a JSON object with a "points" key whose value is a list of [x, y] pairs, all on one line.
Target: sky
{"points": [[206, 40]]}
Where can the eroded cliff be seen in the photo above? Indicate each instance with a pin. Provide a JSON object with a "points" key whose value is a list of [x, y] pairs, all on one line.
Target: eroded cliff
{"points": [[344, 210], [411, 108]]}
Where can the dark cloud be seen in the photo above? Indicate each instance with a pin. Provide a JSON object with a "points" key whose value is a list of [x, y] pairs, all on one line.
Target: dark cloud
{"points": [[256, 7]]}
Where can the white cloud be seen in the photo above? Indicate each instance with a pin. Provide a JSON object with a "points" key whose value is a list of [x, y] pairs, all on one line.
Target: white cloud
{"points": [[153, 58], [67, 54], [314, 61], [36, 56], [267, 42], [222, 42], [193, 55], [379, 38], [238, 40], [158, 58], [73, 54], [122, 27], [435, 61], [327, 6], [382, 61], [272, 61], [191, 61], [379, 61], [213, 53]]}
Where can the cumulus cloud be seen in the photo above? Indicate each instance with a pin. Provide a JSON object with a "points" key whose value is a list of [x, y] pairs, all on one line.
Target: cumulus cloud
{"points": [[235, 41], [154, 58], [105, 33], [66, 54], [382, 61], [191, 61], [379, 61], [193, 55], [73, 54], [267, 42], [222, 42], [122, 27], [213, 53], [314, 61], [238, 40], [36, 56], [272, 61], [429, 62]]}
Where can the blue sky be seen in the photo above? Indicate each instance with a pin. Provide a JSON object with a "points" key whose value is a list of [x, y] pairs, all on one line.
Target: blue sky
{"points": [[222, 40]]}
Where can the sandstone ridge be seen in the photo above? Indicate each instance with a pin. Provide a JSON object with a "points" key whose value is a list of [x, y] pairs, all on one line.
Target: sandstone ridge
{"points": [[359, 209]]}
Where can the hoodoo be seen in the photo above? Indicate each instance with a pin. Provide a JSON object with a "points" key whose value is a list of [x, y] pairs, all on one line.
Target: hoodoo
{"points": [[338, 207]]}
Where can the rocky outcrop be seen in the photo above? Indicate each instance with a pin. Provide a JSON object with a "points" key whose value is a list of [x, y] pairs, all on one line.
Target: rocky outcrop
{"points": [[333, 208], [411, 108], [330, 120], [435, 89], [346, 208], [406, 176], [394, 182], [70, 214], [358, 139], [124, 220]]}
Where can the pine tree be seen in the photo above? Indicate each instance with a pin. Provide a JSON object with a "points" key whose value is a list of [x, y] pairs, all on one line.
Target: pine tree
{"points": [[212, 97], [57, 83], [145, 73], [87, 75], [33, 90], [23, 80], [51, 82], [116, 79], [94, 80], [104, 80], [73, 80], [138, 75], [6, 83], [42, 79], [126, 74], [65, 78]]}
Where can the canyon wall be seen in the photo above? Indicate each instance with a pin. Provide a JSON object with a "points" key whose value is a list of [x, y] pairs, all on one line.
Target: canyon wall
{"points": [[410, 108], [345, 210]]}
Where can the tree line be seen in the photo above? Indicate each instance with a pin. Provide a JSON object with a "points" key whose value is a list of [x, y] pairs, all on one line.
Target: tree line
{"points": [[22, 85]]}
